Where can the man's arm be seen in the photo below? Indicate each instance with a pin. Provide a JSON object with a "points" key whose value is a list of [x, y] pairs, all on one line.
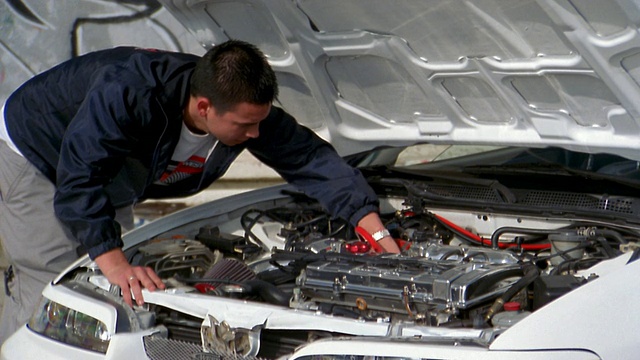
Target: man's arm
{"points": [[101, 135], [314, 167]]}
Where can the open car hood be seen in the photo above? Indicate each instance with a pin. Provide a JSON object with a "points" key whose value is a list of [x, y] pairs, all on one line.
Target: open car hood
{"points": [[365, 73]]}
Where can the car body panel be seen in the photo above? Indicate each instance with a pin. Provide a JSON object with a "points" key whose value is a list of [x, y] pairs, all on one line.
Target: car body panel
{"points": [[574, 319], [424, 350]]}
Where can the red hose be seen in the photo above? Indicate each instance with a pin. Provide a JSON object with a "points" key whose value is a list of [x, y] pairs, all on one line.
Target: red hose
{"points": [[530, 247], [368, 238]]}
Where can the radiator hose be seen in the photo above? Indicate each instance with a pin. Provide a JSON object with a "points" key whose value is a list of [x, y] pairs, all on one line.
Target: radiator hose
{"points": [[269, 292]]}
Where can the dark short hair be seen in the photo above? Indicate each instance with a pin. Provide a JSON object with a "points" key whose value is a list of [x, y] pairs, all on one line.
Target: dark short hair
{"points": [[234, 72]]}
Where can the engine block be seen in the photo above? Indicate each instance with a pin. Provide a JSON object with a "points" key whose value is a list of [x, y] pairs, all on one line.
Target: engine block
{"points": [[443, 280]]}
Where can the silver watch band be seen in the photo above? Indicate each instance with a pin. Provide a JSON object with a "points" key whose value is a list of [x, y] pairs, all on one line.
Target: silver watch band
{"points": [[378, 235]]}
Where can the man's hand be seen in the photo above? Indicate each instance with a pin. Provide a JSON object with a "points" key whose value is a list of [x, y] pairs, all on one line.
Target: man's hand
{"points": [[131, 279], [372, 223]]}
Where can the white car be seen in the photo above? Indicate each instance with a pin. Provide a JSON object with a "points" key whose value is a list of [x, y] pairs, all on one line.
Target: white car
{"points": [[519, 215]]}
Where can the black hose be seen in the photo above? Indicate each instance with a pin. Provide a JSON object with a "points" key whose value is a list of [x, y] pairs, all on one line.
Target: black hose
{"points": [[574, 265], [610, 234], [249, 235], [340, 311], [269, 292], [507, 229], [531, 272], [310, 221]]}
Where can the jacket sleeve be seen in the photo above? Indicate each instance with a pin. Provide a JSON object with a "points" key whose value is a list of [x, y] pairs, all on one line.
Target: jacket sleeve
{"points": [[313, 166], [92, 154]]}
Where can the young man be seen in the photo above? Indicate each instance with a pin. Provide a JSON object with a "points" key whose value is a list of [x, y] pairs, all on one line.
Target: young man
{"points": [[84, 141]]}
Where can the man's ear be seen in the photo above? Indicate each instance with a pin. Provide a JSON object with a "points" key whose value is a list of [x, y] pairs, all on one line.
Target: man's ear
{"points": [[203, 105]]}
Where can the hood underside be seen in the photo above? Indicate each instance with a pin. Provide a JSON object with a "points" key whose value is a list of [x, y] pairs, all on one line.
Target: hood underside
{"points": [[365, 73]]}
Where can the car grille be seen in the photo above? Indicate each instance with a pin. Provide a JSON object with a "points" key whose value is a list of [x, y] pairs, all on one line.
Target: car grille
{"points": [[167, 349]]}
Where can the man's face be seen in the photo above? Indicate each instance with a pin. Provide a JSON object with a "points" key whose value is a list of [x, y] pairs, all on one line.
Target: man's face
{"points": [[237, 125]]}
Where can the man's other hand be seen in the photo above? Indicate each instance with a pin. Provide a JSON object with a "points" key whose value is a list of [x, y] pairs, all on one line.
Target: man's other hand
{"points": [[131, 279]]}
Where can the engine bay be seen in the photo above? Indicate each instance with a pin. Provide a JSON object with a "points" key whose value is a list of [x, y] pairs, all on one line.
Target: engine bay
{"points": [[458, 269]]}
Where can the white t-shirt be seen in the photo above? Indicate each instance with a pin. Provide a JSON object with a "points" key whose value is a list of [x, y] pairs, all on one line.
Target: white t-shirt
{"points": [[189, 156]]}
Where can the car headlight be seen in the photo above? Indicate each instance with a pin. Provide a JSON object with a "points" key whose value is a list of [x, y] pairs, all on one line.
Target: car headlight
{"points": [[69, 326]]}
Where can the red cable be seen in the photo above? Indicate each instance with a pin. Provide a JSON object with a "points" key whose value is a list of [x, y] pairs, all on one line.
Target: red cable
{"points": [[531, 247]]}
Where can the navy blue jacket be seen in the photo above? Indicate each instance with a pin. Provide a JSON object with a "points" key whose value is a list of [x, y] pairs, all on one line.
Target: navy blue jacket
{"points": [[103, 127]]}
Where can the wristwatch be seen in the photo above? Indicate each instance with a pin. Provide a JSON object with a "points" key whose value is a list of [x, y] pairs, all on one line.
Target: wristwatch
{"points": [[378, 235]]}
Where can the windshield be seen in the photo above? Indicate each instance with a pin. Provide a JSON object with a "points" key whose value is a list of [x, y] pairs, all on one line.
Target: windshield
{"points": [[427, 153], [511, 160]]}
